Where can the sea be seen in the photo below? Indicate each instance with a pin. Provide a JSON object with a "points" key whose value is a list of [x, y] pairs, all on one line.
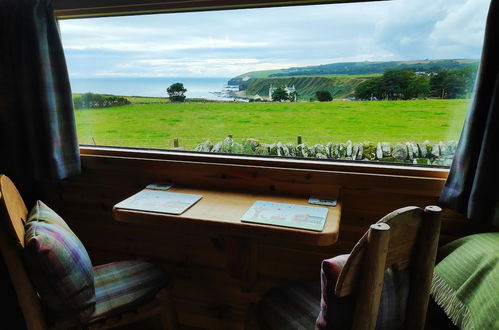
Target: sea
{"points": [[156, 87]]}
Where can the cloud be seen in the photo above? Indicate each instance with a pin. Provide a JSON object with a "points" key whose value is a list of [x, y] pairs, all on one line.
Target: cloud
{"points": [[463, 26], [415, 29], [229, 43], [189, 67]]}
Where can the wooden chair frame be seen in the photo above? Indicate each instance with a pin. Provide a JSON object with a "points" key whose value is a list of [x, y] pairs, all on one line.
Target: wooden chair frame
{"points": [[407, 237], [13, 217]]}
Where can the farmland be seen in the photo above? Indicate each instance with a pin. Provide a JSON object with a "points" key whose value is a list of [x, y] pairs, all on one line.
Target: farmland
{"points": [[156, 125]]}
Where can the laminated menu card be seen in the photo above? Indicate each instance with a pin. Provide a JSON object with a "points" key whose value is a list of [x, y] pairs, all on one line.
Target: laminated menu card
{"points": [[287, 215], [159, 201]]}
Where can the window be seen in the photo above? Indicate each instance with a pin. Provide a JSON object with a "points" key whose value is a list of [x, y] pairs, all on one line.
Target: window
{"points": [[373, 81]]}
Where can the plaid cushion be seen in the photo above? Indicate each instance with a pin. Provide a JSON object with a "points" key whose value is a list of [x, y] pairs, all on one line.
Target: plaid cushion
{"points": [[59, 264], [333, 309], [290, 307], [125, 284], [338, 313], [307, 306]]}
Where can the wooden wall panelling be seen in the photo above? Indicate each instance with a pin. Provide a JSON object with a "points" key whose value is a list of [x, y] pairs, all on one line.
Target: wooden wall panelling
{"points": [[205, 293], [283, 180]]}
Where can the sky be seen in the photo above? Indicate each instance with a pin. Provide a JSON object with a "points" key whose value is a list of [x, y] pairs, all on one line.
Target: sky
{"points": [[232, 42]]}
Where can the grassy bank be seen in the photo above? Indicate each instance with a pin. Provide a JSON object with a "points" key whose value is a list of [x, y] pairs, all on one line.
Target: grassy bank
{"points": [[156, 125]]}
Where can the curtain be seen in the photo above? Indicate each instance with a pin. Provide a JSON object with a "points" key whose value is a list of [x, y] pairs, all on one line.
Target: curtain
{"points": [[473, 183], [37, 127]]}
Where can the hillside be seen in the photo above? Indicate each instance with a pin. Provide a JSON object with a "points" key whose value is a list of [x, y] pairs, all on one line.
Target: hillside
{"points": [[339, 86], [356, 68], [338, 78]]}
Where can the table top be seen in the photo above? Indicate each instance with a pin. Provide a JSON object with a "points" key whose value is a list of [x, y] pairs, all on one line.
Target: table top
{"points": [[219, 213]]}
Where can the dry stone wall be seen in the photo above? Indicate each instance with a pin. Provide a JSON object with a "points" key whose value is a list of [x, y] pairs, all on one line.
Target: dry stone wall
{"points": [[424, 153]]}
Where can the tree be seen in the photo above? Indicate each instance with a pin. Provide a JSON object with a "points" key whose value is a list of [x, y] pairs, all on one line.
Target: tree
{"points": [[323, 96], [176, 92], [419, 87], [394, 85], [280, 94], [397, 84], [453, 83], [369, 89]]}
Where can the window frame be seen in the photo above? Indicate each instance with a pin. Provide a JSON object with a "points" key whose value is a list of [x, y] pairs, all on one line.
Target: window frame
{"points": [[267, 162], [100, 8], [67, 9]]}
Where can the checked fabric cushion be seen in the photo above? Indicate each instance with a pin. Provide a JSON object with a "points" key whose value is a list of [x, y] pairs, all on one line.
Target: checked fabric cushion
{"points": [[294, 306], [338, 312], [121, 285], [305, 306], [59, 264]]}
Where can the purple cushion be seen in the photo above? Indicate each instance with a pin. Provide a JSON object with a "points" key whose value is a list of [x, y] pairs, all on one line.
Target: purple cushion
{"points": [[290, 307], [59, 264], [120, 287], [337, 313], [125, 284]]}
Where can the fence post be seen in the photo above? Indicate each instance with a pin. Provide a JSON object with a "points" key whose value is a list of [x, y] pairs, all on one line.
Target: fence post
{"points": [[175, 142], [298, 140]]}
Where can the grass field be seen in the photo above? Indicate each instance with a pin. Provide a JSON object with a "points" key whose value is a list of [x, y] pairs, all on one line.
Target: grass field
{"points": [[156, 125]]}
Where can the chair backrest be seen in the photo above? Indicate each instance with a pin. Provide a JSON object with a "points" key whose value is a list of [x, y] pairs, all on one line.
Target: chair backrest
{"points": [[14, 214], [407, 237]]}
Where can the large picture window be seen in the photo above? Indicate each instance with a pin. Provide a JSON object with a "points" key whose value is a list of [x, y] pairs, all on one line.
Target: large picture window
{"points": [[380, 82]]}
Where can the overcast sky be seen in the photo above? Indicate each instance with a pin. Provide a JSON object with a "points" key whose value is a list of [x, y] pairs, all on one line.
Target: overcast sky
{"points": [[232, 42]]}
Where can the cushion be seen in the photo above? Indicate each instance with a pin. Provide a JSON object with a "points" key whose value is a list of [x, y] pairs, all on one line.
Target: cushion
{"points": [[122, 285], [338, 313], [334, 310], [466, 281], [310, 305], [290, 307], [59, 264]]}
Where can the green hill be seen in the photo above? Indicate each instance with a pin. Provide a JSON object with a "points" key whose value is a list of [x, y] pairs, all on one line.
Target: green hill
{"points": [[356, 68], [339, 86], [338, 78]]}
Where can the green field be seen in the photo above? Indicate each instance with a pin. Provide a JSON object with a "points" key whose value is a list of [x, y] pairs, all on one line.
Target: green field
{"points": [[156, 125]]}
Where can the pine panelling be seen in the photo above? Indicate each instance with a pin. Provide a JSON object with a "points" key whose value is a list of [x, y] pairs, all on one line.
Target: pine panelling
{"points": [[133, 241], [209, 315], [364, 207], [280, 180], [205, 294]]}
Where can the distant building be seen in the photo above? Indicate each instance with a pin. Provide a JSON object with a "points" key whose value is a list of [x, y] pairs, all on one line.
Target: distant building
{"points": [[424, 73]]}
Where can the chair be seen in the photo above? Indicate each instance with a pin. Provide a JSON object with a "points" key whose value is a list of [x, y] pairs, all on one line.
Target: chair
{"points": [[14, 216], [393, 262]]}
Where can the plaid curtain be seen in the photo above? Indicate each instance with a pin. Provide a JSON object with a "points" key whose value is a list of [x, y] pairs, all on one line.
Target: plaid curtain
{"points": [[473, 182], [37, 127]]}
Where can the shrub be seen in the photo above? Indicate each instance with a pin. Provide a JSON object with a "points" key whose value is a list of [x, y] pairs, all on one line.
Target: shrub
{"points": [[92, 101], [323, 96]]}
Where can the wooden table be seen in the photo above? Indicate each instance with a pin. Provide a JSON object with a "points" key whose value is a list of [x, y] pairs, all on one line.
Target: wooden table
{"points": [[219, 212]]}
